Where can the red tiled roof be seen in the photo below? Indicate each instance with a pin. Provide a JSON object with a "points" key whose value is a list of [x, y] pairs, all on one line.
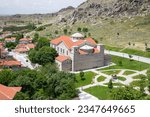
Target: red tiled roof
{"points": [[82, 52], [8, 93], [62, 58], [10, 39], [21, 50], [9, 63], [69, 43], [30, 46]]}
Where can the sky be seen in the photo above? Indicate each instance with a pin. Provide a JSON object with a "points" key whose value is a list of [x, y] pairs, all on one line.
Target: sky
{"points": [[9, 7]]}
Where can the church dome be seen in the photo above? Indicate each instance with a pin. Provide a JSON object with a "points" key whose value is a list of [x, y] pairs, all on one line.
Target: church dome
{"points": [[77, 35]]}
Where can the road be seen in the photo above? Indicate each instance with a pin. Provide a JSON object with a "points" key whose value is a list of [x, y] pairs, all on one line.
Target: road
{"points": [[125, 55], [23, 59]]}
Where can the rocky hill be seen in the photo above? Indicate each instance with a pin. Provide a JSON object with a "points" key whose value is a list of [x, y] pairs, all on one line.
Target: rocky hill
{"points": [[111, 8]]}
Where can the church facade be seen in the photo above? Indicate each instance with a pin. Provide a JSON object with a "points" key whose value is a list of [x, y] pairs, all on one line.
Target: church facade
{"points": [[77, 53]]}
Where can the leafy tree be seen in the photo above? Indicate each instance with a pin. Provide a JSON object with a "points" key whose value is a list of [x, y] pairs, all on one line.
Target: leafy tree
{"points": [[120, 63], [42, 42], [126, 93], [85, 30], [79, 29], [43, 56], [65, 31], [11, 45], [21, 96], [148, 77], [110, 84], [6, 77], [142, 83], [36, 37], [82, 75], [56, 32]]}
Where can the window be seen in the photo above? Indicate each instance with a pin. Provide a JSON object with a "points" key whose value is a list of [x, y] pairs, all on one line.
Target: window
{"points": [[63, 51], [58, 49], [67, 52]]}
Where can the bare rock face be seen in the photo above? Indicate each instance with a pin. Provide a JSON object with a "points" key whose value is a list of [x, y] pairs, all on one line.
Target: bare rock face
{"points": [[111, 8]]}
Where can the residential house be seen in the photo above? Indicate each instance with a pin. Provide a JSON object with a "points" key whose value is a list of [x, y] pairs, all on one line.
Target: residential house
{"points": [[3, 51], [25, 41], [77, 53], [24, 48], [12, 39], [12, 64], [8, 93]]}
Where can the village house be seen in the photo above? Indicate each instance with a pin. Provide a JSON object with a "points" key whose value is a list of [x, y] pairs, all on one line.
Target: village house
{"points": [[77, 53], [8, 93], [24, 48], [12, 39], [3, 51], [10, 64], [25, 41]]}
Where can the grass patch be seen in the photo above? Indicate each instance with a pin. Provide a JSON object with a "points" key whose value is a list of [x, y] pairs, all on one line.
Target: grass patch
{"points": [[137, 83], [101, 78], [137, 77], [111, 72], [116, 84], [88, 79], [128, 72], [121, 78], [124, 63], [100, 92], [137, 52]]}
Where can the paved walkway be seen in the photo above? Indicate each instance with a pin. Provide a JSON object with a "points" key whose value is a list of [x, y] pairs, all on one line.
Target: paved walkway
{"points": [[23, 59], [125, 55]]}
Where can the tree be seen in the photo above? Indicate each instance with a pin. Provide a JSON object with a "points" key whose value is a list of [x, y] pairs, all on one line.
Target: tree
{"points": [[65, 31], [79, 29], [6, 77], [126, 93], [148, 77], [120, 63], [110, 84], [36, 37], [56, 32], [11, 45], [82, 75], [142, 83], [43, 56], [85, 30], [42, 42]]}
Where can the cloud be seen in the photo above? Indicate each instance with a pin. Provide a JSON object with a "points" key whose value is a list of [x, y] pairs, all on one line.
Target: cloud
{"points": [[35, 6]]}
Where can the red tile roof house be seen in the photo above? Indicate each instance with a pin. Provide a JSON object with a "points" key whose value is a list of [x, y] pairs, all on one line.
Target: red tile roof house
{"points": [[13, 64], [8, 93], [12, 39], [3, 52], [24, 48], [25, 41], [77, 53]]}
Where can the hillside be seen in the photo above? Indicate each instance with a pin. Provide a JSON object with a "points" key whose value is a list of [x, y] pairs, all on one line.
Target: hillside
{"points": [[112, 22]]}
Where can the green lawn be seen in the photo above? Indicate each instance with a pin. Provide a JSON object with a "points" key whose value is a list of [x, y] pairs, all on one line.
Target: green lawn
{"points": [[100, 92], [111, 72], [101, 78], [88, 79], [137, 52], [124, 63], [121, 78], [137, 83], [116, 84], [128, 72], [137, 77]]}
